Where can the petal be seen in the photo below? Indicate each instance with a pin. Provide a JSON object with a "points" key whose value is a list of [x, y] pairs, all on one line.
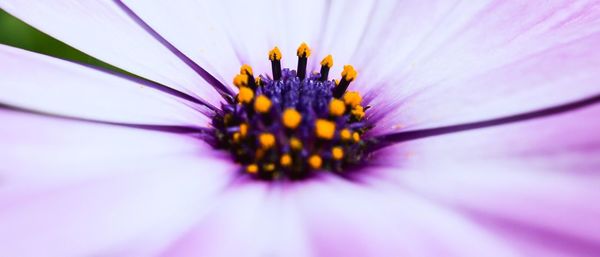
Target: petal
{"points": [[103, 30], [486, 65], [101, 186], [45, 84], [535, 183]]}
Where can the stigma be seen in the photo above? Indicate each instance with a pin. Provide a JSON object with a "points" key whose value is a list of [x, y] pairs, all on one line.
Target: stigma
{"points": [[293, 124]]}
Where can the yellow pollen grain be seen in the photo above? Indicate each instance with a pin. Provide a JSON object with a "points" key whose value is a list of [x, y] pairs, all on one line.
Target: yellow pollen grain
{"points": [[286, 160], [246, 70], [358, 112], [269, 167], [295, 144], [245, 95], [291, 118], [240, 80], [345, 134], [337, 107], [275, 54], [236, 137], [349, 73], [327, 61], [356, 137], [243, 129], [337, 153], [262, 104], [252, 168], [324, 129], [315, 161], [267, 140], [352, 98], [303, 50], [258, 81]]}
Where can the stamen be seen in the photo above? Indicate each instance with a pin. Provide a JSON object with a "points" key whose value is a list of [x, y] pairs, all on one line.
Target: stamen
{"points": [[275, 57], [326, 64], [303, 53], [348, 75], [294, 123]]}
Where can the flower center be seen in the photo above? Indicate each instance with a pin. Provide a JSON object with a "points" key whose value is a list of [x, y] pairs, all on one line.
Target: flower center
{"points": [[293, 124]]}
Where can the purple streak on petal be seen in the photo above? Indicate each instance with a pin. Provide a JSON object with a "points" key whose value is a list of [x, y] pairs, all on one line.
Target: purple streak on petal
{"points": [[220, 87], [163, 128], [389, 139]]}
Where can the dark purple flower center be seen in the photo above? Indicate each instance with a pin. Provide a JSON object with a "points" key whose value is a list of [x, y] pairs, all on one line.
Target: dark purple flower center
{"points": [[293, 124]]}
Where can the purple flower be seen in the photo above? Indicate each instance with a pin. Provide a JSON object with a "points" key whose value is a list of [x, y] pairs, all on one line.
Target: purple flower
{"points": [[481, 137]]}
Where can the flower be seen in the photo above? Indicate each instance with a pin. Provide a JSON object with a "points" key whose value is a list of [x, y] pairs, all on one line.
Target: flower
{"points": [[486, 131]]}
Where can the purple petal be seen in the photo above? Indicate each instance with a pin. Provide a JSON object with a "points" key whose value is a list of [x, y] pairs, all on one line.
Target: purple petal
{"points": [[491, 60], [535, 182], [105, 31], [103, 187], [45, 84]]}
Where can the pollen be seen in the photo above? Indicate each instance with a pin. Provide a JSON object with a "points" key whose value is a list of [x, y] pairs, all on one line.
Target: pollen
{"points": [[315, 161], [245, 95], [349, 73], [295, 144], [252, 168], [267, 140], [337, 107], [275, 54], [241, 80], [303, 51], [324, 129], [246, 70], [352, 98], [286, 160], [262, 104], [337, 153], [327, 61], [292, 123], [291, 118], [345, 134]]}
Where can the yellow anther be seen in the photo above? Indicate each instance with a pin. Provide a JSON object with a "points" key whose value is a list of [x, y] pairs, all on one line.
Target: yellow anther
{"points": [[258, 80], [243, 129], [327, 61], [337, 153], [356, 137], [236, 137], [246, 70], [245, 95], [324, 129], [269, 167], [345, 134], [286, 160], [240, 80], [291, 118], [358, 112], [252, 168], [303, 50], [315, 161], [295, 144], [267, 140], [352, 98], [262, 104], [336, 81], [349, 73], [275, 54], [337, 107]]}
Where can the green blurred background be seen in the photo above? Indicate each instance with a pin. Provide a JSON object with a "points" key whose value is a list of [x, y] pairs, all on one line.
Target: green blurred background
{"points": [[17, 33]]}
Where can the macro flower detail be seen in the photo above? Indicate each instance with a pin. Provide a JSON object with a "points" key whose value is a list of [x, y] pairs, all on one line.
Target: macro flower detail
{"points": [[396, 128], [290, 124]]}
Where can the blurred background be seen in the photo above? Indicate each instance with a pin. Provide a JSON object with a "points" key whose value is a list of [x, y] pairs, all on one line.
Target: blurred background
{"points": [[17, 33]]}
